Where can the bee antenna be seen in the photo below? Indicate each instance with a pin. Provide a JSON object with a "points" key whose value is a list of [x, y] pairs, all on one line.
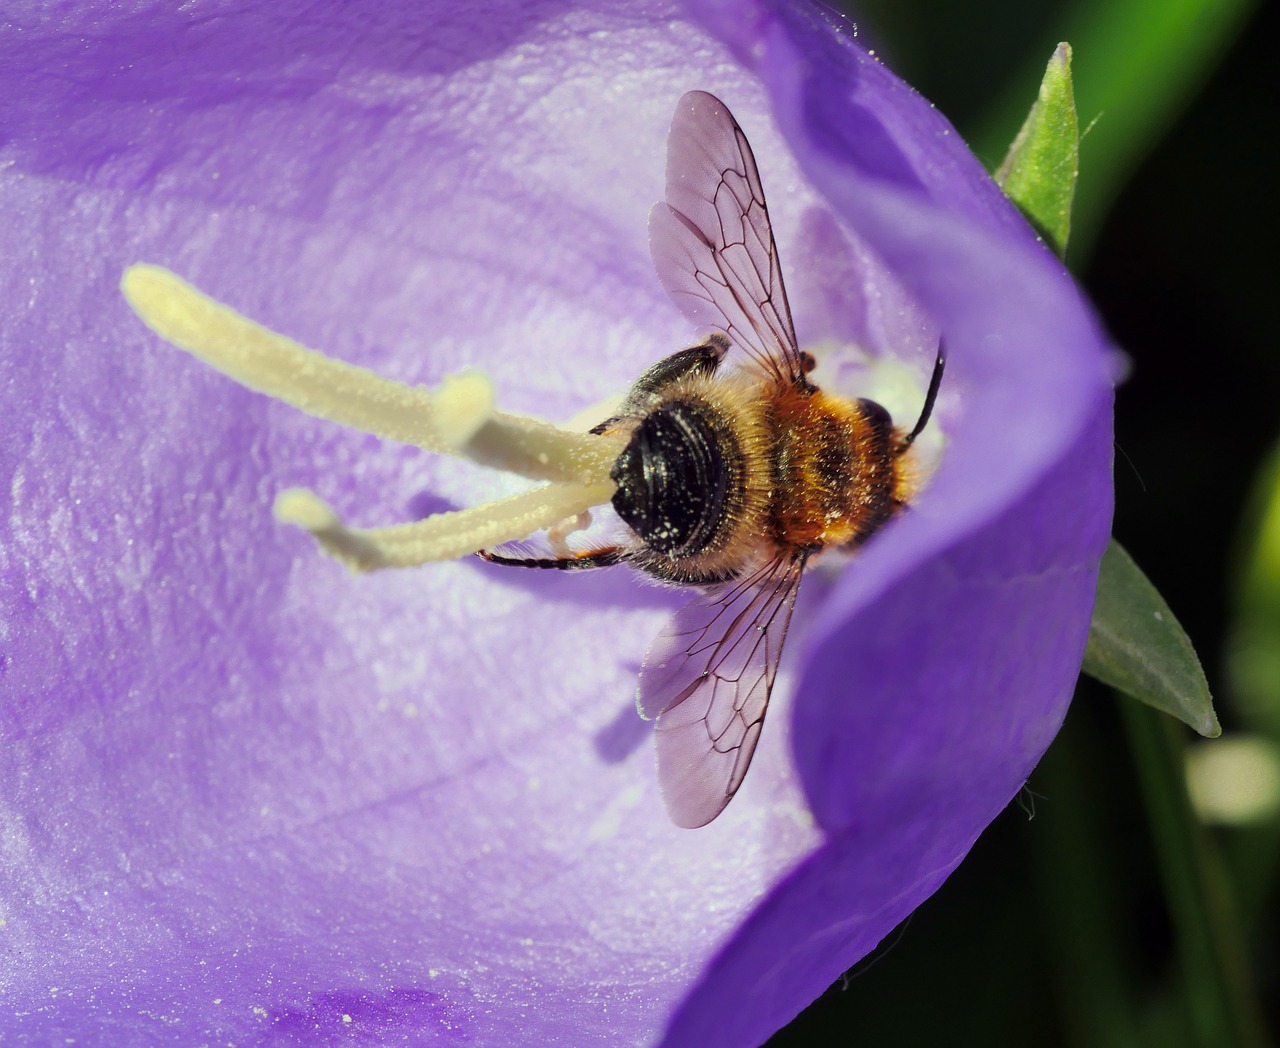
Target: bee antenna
{"points": [[930, 397]]}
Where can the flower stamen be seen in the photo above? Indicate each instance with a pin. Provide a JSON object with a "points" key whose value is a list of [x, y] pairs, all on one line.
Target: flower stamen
{"points": [[443, 536], [458, 418]]}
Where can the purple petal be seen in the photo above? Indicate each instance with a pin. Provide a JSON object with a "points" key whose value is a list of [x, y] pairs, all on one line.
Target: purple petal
{"points": [[250, 797]]}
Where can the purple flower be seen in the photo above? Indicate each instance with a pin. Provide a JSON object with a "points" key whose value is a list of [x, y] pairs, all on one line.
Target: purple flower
{"points": [[249, 797]]}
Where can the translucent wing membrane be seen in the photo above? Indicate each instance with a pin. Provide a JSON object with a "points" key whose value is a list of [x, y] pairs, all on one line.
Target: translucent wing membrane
{"points": [[712, 243], [707, 679]]}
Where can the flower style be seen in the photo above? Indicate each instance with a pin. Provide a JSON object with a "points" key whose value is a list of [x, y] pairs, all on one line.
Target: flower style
{"points": [[252, 797]]}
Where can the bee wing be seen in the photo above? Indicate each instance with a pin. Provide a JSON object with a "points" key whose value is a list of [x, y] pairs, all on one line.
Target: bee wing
{"points": [[707, 679], [711, 240]]}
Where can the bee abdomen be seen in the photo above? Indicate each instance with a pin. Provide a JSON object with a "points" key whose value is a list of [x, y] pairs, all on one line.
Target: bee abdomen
{"points": [[676, 484], [835, 473]]}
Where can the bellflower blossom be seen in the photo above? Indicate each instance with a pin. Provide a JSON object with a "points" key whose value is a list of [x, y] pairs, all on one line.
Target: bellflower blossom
{"points": [[251, 798]]}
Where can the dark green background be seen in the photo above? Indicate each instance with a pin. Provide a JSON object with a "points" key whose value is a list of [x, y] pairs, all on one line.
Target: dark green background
{"points": [[1058, 929]]}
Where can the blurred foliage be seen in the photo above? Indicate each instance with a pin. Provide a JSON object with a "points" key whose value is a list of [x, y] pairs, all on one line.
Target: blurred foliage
{"points": [[1253, 656], [1114, 916], [1137, 65]]}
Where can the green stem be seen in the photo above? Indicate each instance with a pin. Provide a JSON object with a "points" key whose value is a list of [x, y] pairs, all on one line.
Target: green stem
{"points": [[1219, 985], [1090, 951]]}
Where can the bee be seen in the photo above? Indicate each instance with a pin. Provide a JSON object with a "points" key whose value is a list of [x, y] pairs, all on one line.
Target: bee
{"points": [[732, 478]]}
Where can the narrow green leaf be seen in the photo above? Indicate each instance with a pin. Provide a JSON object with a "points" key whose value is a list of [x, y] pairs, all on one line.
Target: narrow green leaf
{"points": [[1039, 171], [1137, 646]]}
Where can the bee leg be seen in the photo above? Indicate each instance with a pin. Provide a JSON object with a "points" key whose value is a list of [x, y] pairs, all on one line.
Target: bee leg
{"points": [[602, 558], [697, 360]]}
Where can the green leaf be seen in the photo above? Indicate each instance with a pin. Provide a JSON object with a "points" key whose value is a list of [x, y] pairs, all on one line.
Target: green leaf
{"points": [[1039, 171], [1137, 646]]}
